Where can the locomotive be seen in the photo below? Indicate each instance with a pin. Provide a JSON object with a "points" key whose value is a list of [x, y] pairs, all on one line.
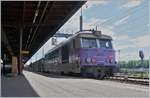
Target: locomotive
{"points": [[87, 52]]}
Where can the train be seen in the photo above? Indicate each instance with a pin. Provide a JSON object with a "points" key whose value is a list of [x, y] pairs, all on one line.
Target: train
{"points": [[87, 52]]}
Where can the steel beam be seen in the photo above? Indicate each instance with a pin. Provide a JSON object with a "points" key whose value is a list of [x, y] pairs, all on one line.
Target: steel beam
{"points": [[20, 49], [21, 35], [6, 42], [41, 18]]}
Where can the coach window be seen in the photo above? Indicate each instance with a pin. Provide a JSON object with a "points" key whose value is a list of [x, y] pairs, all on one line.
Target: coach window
{"points": [[89, 43]]}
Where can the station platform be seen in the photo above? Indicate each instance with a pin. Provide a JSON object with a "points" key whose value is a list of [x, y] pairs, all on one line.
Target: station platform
{"points": [[32, 84], [17, 86]]}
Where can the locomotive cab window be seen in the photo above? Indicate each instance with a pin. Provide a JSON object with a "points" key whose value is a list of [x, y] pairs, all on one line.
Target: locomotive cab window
{"points": [[105, 44], [89, 43]]}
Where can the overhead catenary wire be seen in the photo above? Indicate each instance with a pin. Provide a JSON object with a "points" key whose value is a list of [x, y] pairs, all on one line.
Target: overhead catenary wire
{"points": [[126, 28], [127, 13], [111, 19], [129, 27], [101, 25]]}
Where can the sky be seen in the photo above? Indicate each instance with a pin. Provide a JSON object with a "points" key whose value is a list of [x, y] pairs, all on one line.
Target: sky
{"points": [[127, 21]]}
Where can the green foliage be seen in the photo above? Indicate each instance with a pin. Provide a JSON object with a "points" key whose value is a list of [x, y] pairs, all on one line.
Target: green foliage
{"points": [[133, 64]]}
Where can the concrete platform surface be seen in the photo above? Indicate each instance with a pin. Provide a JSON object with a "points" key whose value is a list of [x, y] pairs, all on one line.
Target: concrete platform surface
{"points": [[67, 86], [17, 86]]}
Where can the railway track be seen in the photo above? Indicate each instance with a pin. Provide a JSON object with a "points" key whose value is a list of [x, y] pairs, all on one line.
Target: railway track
{"points": [[126, 79], [118, 78]]}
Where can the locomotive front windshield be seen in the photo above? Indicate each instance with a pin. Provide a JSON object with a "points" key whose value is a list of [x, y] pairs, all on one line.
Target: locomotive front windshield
{"points": [[96, 43], [105, 44], [89, 43]]}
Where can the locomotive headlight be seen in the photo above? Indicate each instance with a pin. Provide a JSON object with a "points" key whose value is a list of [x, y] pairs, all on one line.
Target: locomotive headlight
{"points": [[110, 60], [88, 60], [93, 60], [77, 59]]}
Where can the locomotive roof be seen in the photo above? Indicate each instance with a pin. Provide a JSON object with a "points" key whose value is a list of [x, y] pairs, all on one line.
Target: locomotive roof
{"points": [[80, 34]]}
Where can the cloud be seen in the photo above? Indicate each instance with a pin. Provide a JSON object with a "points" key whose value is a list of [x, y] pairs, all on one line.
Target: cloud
{"points": [[142, 41], [122, 46], [138, 42], [121, 21], [96, 20], [93, 22], [132, 3], [107, 31], [72, 25], [132, 54], [126, 56], [121, 37], [90, 4]]}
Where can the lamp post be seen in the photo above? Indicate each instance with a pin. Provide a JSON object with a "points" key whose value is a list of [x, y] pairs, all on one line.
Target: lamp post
{"points": [[81, 21], [81, 18]]}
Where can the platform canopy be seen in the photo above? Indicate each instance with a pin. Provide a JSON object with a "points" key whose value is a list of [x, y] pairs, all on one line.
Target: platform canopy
{"points": [[38, 20]]}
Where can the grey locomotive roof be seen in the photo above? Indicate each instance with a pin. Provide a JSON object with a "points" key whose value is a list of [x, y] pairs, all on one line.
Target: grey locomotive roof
{"points": [[75, 35]]}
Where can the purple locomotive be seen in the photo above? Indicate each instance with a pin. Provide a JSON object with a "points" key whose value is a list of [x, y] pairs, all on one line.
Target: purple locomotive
{"points": [[86, 53]]}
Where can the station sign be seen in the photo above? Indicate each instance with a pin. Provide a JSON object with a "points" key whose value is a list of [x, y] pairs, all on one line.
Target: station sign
{"points": [[24, 52]]}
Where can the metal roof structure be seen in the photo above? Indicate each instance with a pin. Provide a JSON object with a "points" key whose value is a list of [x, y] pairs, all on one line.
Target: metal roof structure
{"points": [[37, 20]]}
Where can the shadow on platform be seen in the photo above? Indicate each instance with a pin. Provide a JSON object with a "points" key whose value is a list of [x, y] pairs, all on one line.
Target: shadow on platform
{"points": [[16, 87], [56, 75], [64, 76]]}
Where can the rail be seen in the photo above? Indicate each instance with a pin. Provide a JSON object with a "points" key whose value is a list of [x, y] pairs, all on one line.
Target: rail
{"points": [[127, 79]]}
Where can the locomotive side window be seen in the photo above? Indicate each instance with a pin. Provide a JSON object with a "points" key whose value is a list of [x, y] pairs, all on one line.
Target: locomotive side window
{"points": [[105, 44], [89, 43]]}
